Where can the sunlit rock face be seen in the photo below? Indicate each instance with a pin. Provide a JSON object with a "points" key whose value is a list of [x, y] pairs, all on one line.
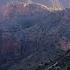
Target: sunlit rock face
{"points": [[25, 29], [45, 2]]}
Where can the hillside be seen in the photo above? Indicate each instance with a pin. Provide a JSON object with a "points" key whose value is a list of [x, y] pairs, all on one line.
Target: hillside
{"points": [[32, 35]]}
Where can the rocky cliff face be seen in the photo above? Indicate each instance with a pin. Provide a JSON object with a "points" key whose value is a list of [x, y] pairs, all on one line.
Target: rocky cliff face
{"points": [[25, 30]]}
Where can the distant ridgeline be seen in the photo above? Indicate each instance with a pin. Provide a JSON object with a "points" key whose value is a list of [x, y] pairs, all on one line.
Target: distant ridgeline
{"points": [[56, 5]]}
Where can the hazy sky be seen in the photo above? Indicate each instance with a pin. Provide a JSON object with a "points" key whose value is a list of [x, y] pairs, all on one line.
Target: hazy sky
{"points": [[66, 3]]}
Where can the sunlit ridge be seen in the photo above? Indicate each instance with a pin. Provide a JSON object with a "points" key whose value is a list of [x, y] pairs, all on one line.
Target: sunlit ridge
{"points": [[56, 6]]}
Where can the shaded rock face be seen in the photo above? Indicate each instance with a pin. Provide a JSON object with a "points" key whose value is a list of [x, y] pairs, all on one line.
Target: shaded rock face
{"points": [[15, 19], [25, 30]]}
